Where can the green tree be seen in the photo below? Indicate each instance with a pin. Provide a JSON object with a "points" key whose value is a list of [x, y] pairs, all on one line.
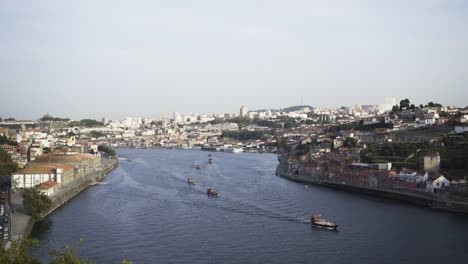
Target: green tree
{"points": [[36, 203], [404, 104], [7, 166], [68, 255], [107, 149], [350, 143], [432, 104], [90, 123], [18, 253], [48, 117], [97, 134], [46, 150], [74, 123], [8, 141]]}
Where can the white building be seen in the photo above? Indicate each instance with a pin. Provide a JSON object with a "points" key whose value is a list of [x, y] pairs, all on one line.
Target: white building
{"points": [[40, 173], [438, 183], [243, 111], [252, 115], [132, 122], [177, 117]]}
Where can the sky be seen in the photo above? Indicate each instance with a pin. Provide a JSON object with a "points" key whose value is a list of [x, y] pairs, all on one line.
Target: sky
{"points": [[96, 58]]}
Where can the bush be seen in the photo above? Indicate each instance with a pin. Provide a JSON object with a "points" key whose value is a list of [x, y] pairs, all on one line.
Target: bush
{"points": [[107, 149], [36, 203]]}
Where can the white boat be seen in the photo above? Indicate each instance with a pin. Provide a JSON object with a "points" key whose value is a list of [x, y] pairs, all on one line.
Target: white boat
{"points": [[318, 221], [234, 150], [191, 181]]}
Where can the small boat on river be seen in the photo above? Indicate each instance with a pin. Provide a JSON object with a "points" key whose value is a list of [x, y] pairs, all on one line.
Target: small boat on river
{"points": [[318, 221], [191, 181], [198, 166], [212, 192]]}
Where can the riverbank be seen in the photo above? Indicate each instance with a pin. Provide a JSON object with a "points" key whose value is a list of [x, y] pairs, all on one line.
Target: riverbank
{"points": [[22, 224], [412, 198], [91, 179]]}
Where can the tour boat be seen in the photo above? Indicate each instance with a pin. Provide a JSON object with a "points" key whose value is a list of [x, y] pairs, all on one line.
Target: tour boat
{"points": [[212, 192], [318, 221], [198, 166], [191, 181]]}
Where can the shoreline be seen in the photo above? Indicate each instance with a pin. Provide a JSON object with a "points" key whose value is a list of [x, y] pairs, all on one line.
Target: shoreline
{"points": [[410, 198], [22, 223]]}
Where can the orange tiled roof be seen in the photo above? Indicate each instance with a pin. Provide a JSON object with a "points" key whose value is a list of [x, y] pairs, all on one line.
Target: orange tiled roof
{"points": [[43, 168], [61, 158], [47, 185]]}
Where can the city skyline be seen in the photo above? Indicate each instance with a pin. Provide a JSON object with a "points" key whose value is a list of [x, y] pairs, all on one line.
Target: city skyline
{"points": [[117, 59], [177, 115]]}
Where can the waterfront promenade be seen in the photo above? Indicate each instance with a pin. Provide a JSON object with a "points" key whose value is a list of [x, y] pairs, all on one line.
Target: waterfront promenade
{"points": [[22, 224], [440, 202]]}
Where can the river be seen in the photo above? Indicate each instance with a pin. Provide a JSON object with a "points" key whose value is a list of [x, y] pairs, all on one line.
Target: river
{"points": [[146, 212]]}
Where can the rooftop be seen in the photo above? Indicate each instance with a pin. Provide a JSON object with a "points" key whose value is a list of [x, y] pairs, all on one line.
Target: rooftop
{"points": [[62, 158], [43, 168], [47, 185]]}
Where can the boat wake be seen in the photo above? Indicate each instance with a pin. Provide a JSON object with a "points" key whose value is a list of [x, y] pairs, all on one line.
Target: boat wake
{"points": [[256, 211], [102, 183]]}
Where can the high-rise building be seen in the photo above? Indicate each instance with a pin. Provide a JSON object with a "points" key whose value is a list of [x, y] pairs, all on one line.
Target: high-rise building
{"points": [[177, 117], [105, 120], [390, 101], [388, 105], [243, 111], [162, 117]]}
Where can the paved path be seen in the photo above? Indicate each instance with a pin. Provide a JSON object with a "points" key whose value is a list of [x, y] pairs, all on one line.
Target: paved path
{"points": [[20, 219]]}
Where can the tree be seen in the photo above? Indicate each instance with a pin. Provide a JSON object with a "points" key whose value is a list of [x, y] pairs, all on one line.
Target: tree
{"points": [[68, 255], [432, 104], [350, 143], [395, 108], [107, 149], [90, 123], [404, 104], [48, 117], [97, 134], [8, 141], [18, 253], [7, 166], [36, 203]]}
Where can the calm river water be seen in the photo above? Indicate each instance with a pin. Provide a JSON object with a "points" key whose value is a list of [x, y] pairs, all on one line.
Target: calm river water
{"points": [[146, 212]]}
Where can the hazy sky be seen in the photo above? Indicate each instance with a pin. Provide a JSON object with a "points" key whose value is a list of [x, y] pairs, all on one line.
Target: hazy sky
{"points": [[140, 58]]}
